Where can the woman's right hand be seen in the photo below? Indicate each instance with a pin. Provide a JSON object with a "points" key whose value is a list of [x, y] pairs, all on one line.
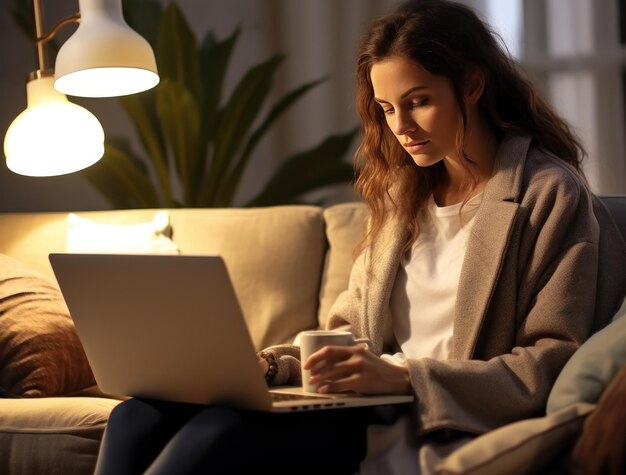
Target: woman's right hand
{"points": [[265, 366], [355, 368]]}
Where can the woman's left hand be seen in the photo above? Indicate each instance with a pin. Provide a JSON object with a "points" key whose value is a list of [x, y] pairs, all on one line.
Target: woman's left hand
{"points": [[355, 368]]}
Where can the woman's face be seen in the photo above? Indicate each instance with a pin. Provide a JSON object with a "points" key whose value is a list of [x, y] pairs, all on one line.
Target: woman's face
{"points": [[420, 108]]}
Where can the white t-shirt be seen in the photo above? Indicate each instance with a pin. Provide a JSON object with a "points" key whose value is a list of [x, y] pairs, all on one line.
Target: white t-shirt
{"points": [[422, 306]]}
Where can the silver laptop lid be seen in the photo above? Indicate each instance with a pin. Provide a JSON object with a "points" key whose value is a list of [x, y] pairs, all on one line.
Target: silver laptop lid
{"points": [[162, 326]]}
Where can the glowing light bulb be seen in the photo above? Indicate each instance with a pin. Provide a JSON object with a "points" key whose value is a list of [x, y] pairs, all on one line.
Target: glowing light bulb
{"points": [[52, 136]]}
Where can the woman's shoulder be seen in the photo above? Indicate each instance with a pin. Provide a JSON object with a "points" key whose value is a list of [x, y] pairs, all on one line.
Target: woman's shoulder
{"points": [[548, 178]]}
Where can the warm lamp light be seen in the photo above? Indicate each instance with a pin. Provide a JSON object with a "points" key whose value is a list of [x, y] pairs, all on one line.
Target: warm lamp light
{"points": [[104, 57], [53, 136]]}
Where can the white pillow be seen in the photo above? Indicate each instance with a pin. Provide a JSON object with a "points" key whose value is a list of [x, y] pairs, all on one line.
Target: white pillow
{"points": [[87, 236], [591, 368]]}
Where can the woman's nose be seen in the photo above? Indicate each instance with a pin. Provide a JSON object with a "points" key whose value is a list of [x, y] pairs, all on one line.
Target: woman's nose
{"points": [[404, 124]]}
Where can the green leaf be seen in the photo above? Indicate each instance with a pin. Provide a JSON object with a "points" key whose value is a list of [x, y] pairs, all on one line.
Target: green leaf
{"points": [[122, 179], [235, 122], [229, 186], [177, 51], [180, 120], [142, 111], [144, 17], [320, 166], [214, 58]]}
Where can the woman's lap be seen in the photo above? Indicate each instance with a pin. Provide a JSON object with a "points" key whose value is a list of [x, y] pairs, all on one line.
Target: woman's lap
{"points": [[183, 438]]}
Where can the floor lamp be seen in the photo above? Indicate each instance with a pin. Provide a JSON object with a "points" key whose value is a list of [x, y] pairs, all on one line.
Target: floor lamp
{"points": [[104, 57]]}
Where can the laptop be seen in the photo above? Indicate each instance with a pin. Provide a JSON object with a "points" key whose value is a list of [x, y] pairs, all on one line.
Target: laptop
{"points": [[170, 327]]}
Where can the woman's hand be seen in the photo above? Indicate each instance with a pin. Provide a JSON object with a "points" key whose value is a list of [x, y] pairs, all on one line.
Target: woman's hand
{"points": [[355, 368], [265, 366]]}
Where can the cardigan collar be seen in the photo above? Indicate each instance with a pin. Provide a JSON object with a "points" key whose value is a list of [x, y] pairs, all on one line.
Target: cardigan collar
{"points": [[486, 246]]}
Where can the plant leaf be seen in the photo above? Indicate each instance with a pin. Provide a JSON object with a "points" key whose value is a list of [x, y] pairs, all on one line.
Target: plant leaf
{"points": [[141, 109], [320, 166], [180, 121], [177, 51], [122, 178], [144, 17], [230, 185], [214, 58], [235, 122]]}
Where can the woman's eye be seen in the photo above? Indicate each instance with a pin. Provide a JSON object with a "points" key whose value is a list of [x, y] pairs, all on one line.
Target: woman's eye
{"points": [[420, 103], [388, 111]]}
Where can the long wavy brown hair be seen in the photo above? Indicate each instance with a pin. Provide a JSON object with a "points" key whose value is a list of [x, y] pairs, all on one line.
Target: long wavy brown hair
{"points": [[447, 39]]}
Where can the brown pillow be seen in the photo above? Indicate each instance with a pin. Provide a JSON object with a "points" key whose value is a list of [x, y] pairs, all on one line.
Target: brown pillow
{"points": [[40, 354], [601, 448]]}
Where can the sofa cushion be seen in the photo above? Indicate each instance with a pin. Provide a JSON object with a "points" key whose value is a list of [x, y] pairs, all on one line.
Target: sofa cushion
{"points": [[591, 368], [52, 435], [523, 447], [40, 354], [274, 256], [345, 224], [150, 237]]}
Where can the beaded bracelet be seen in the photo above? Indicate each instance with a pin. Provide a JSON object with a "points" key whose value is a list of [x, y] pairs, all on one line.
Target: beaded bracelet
{"points": [[272, 366]]}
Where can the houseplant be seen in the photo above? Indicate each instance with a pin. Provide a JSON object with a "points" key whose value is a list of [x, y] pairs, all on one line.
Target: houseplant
{"points": [[197, 142]]}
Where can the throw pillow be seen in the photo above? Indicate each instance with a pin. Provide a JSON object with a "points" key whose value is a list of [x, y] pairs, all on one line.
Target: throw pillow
{"points": [[345, 225], [591, 367], [523, 447], [40, 353], [600, 448], [85, 235]]}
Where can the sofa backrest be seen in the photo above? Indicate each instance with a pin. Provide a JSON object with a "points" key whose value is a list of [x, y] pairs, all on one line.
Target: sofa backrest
{"points": [[616, 205], [275, 255]]}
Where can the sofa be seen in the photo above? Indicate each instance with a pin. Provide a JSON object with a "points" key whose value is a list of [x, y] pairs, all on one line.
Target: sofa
{"points": [[287, 264]]}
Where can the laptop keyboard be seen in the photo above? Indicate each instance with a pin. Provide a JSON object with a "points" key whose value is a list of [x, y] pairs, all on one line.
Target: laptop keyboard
{"points": [[278, 397]]}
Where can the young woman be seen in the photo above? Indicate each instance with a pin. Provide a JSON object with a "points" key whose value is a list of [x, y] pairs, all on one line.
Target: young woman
{"points": [[482, 271]]}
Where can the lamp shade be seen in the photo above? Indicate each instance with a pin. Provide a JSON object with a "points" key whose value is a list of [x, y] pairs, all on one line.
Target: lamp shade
{"points": [[53, 136], [104, 57]]}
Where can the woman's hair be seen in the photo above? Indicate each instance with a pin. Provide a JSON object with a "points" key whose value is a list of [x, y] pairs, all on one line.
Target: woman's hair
{"points": [[446, 39]]}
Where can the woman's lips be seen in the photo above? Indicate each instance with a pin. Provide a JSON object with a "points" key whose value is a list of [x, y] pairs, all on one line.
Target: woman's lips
{"points": [[416, 146]]}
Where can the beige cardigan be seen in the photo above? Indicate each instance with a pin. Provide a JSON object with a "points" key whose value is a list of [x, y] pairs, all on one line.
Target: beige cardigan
{"points": [[537, 279]]}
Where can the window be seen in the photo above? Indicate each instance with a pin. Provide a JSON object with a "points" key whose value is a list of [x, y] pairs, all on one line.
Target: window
{"points": [[575, 50]]}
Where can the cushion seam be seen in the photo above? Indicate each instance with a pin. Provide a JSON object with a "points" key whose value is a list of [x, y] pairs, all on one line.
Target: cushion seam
{"points": [[55, 430]]}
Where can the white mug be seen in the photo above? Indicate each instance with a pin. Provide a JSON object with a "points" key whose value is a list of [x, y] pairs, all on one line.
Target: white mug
{"points": [[313, 340]]}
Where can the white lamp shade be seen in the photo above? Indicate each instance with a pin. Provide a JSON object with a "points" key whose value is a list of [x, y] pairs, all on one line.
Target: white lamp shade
{"points": [[104, 57], [52, 136]]}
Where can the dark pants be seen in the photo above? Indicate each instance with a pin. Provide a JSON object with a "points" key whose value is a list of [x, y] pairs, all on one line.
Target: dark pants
{"points": [[172, 438]]}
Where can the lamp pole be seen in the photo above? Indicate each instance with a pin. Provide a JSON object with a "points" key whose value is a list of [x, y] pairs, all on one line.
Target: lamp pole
{"points": [[40, 39]]}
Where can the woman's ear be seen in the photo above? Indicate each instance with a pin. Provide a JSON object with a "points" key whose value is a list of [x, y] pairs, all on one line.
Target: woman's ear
{"points": [[474, 86]]}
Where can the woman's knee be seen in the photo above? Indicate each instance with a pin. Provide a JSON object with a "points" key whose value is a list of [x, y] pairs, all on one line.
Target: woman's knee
{"points": [[219, 425], [133, 413]]}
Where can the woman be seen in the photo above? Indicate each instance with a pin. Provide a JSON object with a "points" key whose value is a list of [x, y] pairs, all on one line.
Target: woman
{"points": [[482, 269]]}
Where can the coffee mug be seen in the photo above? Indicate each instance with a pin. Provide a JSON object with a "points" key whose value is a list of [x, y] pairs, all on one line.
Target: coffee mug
{"points": [[313, 340]]}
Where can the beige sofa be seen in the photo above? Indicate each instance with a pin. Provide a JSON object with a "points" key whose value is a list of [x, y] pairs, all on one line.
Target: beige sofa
{"points": [[288, 264]]}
